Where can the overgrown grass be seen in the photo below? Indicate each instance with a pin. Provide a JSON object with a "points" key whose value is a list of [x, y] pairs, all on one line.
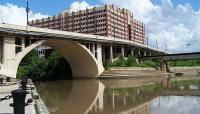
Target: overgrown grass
{"points": [[130, 62]]}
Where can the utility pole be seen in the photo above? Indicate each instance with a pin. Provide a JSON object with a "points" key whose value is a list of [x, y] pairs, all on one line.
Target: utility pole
{"points": [[147, 41], [27, 11], [165, 47], [156, 44]]}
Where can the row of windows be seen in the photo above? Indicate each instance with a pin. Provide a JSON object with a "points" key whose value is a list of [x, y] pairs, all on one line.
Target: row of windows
{"points": [[118, 15], [84, 19], [89, 13]]}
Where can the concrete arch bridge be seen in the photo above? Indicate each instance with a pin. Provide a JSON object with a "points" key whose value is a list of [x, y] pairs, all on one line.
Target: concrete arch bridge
{"points": [[85, 53]]}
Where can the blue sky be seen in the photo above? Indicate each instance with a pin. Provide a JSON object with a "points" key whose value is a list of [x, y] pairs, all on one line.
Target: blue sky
{"points": [[52, 7], [49, 7], [173, 23]]}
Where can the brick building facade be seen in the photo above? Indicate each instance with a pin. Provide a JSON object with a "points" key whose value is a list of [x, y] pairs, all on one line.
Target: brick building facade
{"points": [[105, 20]]}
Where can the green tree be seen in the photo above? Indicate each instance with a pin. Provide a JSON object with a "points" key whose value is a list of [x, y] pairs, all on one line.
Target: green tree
{"points": [[54, 67]]}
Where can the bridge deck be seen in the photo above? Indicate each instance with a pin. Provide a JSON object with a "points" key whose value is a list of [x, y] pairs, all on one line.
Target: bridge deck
{"points": [[173, 57], [50, 33]]}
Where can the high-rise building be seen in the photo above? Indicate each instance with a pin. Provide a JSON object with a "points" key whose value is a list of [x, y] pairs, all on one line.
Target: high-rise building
{"points": [[107, 20]]}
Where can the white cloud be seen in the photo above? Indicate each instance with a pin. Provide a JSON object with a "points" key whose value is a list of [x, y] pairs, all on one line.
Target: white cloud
{"points": [[13, 14], [76, 6], [174, 25]]}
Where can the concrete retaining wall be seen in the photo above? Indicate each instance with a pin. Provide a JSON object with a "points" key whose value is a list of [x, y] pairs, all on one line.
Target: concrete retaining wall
{"points": [[185, 68], [132, 68], [40, 107]]}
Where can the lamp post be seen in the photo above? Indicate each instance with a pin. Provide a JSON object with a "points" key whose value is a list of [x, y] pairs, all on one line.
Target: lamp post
{"points": [[27, 11], [165, 47], [156, 44]]}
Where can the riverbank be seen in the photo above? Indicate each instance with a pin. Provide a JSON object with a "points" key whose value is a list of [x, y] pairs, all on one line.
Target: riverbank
{"points": [[138, 72], [36, 107]]}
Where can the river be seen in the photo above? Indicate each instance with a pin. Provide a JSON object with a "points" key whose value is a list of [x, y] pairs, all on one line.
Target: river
{"points": [[122, 96]]}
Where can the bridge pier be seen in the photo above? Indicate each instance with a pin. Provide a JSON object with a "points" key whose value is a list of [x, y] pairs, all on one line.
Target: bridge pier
{"points": [[9, 61], [164, 66], [150, 53], [93, 49], [1, 50], [132, 51], [99, 53], [139, 53], [122, 51], [145, 53], [111, 53]]}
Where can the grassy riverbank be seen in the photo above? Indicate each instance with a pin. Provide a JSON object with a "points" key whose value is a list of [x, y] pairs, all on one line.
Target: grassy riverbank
{"points": [[131, 61]]}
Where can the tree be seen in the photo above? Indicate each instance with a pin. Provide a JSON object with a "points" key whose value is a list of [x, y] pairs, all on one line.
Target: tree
{"points": [[54, 67]]}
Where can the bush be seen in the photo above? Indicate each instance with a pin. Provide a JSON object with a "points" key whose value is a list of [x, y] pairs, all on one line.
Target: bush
{"points": [[151, 64], [107, 64], [131, 61], [121, 62]]}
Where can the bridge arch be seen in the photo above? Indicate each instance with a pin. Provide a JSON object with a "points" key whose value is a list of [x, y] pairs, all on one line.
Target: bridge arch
{"points": [[83, 63]]}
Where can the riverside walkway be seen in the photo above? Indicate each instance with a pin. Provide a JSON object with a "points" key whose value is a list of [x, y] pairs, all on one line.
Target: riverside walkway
{"points": [[32, 108]]}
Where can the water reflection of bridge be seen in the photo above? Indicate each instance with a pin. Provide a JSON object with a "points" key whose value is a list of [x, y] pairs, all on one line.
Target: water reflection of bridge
{"points": [[115, 103], [92, 97], [177, 93], [137, 102]]}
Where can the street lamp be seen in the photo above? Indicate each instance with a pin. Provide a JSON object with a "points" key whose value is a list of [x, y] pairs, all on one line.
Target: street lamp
{"points": [[27, 11], [156, 44]]}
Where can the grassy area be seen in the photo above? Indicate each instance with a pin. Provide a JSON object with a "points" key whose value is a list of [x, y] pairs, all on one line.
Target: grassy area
{"points": [[185, 63], [130, 62]]}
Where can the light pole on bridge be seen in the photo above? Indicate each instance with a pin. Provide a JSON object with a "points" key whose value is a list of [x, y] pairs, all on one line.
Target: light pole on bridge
{"points": [[27, 12]]}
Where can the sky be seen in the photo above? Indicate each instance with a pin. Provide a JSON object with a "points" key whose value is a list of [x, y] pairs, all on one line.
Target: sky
{"points": [[174, 24]]}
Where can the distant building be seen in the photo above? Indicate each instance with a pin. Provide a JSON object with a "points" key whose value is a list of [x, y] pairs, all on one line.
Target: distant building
{"points": [[106, 20], [43, 51]]}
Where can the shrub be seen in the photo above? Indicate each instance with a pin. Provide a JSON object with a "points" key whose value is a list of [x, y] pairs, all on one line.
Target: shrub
{"points": [[131, 61]]}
